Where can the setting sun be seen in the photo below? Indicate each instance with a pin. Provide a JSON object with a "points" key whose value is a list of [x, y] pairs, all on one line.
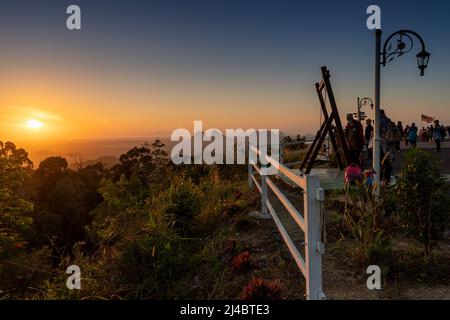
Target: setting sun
{"points": [[34, 124]]}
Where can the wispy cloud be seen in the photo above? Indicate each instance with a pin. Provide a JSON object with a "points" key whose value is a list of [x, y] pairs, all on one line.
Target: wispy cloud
{"points": [[16, 116]]}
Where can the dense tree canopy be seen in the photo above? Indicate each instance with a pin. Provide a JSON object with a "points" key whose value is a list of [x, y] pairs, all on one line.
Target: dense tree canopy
{"points": [[130, 221]]}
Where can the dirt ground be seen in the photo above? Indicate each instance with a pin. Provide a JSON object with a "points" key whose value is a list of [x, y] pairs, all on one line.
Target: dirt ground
{"points": [[344, 275]]}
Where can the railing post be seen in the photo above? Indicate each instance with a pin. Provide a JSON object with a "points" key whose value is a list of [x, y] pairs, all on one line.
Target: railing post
{"points": [[313, 238], [282, 145], [264, 210], [250, 172]]}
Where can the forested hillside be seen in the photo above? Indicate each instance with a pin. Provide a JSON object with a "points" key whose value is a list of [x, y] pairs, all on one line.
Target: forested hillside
{"points": [[134, 230]]}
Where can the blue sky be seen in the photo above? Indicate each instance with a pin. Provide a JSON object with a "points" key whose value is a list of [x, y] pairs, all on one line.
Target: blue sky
{"points": [[232, 63]]}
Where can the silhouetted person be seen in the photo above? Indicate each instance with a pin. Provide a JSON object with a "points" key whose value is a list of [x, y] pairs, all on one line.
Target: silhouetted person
{"points": [[431, 133], [389, 136], [412, 135], [368, 134], [423, 134], [438, 135], [405, 134], [384, 122], [400, 129], [355, 139]]}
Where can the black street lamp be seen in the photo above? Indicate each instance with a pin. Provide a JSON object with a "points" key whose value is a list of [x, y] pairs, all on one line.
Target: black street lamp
{"points": [[396, 45], [402, 42]]}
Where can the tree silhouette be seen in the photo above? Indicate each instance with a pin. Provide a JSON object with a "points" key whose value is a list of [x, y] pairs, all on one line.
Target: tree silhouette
{"points": [[14, 209]]}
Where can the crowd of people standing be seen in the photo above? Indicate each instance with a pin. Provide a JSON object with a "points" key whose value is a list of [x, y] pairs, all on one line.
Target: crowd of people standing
{"points": [[436, 134], [360, 139]]}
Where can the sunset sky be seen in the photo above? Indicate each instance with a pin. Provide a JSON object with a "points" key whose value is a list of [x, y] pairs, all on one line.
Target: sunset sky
{"points": [[146, 68]]}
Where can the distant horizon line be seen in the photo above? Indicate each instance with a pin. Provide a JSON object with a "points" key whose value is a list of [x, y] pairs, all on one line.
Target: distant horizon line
{"points": [[117, 138]]}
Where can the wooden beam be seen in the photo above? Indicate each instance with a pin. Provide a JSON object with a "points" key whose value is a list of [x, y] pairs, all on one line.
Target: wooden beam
{"points": [[330, 131], [312, 147], [335, 114], [319, 144]]}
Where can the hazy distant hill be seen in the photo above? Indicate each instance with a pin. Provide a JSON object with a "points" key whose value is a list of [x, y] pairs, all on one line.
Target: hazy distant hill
{"points": [[92, 151], [87, 150], [107, 161]]}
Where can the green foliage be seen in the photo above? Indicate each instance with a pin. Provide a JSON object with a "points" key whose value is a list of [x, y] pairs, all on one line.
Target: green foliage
{"points": [[160, 156], [183, 201], [14, 172], [63, 201], [117, 210], [149, 238], [138, 167], [363, 216], [52, 166], [134, 230], [222, 199], [150, 263], [137, 160], [25, 272], [380, 252], [423, 198]]}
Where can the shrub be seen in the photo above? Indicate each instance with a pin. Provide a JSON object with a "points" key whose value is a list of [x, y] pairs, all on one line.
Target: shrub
{"points": [[150, 263], [260, 289], [221, 199], [148, 253], [15, 223], [363, 218], [183, 202], [422, 197], [24, 273], [379, 252]]}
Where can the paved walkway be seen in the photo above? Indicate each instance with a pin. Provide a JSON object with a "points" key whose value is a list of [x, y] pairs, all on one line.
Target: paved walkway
{"points": [[333, 179], [444, 155]]}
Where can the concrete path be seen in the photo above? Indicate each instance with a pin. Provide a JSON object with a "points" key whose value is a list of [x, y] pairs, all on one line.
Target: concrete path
{"points": [[444, 155]]}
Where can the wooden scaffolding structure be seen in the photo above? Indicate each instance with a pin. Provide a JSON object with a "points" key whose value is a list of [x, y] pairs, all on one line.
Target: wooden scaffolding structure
{"points": [[335, 131]]}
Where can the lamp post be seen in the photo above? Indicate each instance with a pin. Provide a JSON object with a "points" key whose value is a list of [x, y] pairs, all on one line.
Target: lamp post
{"points": [[363, 102], [396, 45]]}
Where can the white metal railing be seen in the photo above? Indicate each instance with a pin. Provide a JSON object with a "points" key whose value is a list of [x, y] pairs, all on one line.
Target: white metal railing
{"points": [[310, 223]]}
